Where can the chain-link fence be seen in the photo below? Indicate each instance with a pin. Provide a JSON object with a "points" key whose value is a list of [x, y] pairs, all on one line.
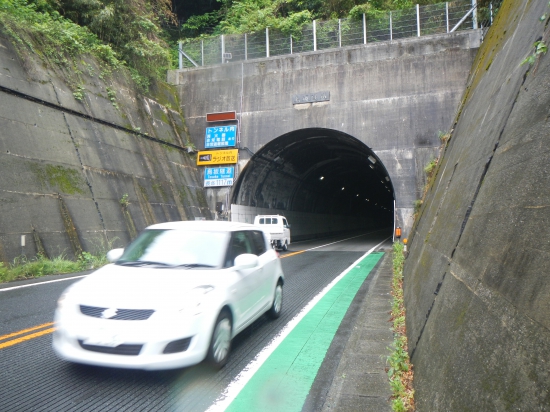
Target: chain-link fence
{"points": [[321, 35]]}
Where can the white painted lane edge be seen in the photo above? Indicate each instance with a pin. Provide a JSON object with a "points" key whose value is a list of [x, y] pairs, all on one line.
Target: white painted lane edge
{"points": [[42, 283], [237, 384]]}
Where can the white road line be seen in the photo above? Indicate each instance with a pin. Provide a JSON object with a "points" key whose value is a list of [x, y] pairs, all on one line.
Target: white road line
{"points": [[41, 283], [240, 381], [338, 241]]}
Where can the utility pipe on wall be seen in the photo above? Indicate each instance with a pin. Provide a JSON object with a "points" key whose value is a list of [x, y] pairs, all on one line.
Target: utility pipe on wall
{"points": [[314, 36], [418, 20], [364, 29]]}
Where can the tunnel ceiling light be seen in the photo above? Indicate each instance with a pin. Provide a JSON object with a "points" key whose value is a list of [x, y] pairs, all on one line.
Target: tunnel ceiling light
{"points": [[321, 177], [357, 194], [387, 178], [343, 188], [372, 159], [371, 166]]}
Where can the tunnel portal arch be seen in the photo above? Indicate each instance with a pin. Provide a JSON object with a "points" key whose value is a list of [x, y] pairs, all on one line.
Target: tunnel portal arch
{"points": [[323, 180]]}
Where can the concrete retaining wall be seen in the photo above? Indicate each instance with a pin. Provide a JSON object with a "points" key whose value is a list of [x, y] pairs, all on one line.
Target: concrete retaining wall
{"points": [[477, 290], [69, 183]]}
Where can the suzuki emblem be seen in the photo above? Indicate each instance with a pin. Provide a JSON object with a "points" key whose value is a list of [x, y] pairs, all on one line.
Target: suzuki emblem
{"points": [[109, 313]]}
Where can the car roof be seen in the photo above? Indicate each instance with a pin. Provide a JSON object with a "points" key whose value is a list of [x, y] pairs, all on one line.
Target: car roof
{"points": [[205, 225]]}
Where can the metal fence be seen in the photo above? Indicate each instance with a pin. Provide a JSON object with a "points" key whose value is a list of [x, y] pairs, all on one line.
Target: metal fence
{"points": [[321, 35]]}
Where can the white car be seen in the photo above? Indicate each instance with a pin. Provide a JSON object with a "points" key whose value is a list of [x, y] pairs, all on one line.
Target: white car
{"points": [[176, 296]]}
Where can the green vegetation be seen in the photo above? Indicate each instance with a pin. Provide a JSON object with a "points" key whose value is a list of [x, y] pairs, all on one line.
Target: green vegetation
{"points": [[430, 167], [248, 16], [120, 34], [540, 46], [400, 370], [23, 268], [124, 202]]}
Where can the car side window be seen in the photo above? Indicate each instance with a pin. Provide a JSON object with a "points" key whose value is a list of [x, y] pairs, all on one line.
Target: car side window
{"points": [[239, 244], [285, 223], [257, 241]]}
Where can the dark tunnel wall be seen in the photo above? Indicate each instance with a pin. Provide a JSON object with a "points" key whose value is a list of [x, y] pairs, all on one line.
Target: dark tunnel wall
{"points": [[316, 175]]}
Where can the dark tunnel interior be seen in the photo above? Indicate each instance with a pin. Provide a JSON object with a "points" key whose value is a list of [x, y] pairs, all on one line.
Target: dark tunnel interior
{"points": [[319, 171]]}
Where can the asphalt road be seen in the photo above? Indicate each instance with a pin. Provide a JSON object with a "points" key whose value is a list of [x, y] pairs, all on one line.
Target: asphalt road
{"points": [[32, 378]]}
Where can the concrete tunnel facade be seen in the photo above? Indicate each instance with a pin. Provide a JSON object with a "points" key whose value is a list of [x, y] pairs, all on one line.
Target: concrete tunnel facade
{"points": [[389, 100], [324, 181]]}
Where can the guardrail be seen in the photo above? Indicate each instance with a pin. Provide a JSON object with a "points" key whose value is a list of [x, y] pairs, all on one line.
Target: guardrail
{"points": [[321, 35]]}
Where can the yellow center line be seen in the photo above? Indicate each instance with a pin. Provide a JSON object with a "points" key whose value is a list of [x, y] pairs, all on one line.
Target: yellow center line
{"points": [[21, 332], [292, 254], [24, 338]]}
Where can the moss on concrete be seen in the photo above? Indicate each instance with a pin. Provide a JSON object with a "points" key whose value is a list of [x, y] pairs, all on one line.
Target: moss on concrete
{"points": [[66, 180]]}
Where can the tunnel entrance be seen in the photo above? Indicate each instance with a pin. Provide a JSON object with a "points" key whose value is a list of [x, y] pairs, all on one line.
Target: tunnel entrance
{"points": [[324, 181]]}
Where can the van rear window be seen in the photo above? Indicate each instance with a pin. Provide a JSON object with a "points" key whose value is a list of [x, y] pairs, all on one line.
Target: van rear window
{"points": [[268, 221]]}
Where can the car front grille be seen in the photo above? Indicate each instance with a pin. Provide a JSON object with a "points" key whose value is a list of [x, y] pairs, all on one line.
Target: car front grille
{"points": [[176, 346], [123, 349], [121, 314]]}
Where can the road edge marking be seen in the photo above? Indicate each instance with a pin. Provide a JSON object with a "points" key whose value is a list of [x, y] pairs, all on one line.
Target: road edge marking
{"points": [[41, 283], [240, 381]]}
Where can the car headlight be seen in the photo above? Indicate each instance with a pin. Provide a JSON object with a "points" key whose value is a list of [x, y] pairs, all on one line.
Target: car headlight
{"points": [[195, 301], [64, 302]]}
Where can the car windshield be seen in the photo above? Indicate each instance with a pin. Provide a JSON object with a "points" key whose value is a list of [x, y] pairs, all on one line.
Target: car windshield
{"points": [[176, 248]]}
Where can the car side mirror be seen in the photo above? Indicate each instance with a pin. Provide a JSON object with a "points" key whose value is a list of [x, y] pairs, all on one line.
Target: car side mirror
{"points": [[246, 261], [114, 254]]}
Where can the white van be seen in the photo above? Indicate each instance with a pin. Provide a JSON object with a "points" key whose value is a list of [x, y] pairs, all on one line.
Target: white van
{"points": [[278, 229]]}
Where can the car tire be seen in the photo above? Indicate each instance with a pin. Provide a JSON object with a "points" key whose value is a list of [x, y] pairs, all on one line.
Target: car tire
{"points": [[285, 246], [277, 306], [220, 343]]}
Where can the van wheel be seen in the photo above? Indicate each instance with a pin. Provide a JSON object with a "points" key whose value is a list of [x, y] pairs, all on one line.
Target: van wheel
{"points": [[285, 246]]}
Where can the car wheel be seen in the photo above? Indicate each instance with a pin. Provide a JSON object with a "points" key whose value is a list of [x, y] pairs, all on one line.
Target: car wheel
{"points": [[285, 246], [220, 344], [275, 311]]}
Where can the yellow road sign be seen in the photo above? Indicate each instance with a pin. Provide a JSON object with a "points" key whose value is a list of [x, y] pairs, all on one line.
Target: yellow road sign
{"points": [[217, 157]]}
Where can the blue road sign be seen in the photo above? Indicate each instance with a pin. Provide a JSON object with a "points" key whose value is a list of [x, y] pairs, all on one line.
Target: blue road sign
{"points": [[220, 136], [219, 176]]}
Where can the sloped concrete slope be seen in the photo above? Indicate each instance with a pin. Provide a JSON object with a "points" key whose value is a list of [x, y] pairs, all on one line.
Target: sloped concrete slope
{"points": [[71, 183], [477, 289]]}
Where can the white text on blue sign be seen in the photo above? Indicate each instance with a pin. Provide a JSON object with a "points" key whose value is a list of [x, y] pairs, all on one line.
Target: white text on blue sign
{"points": [[220, 136]]}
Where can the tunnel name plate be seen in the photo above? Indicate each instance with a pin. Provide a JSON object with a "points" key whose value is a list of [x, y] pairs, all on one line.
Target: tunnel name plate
{"points": [[219, 176], [311, 97]]}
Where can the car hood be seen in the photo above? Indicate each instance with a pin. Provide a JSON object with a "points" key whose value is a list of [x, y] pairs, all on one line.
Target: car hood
{"points": [[141, 288]]}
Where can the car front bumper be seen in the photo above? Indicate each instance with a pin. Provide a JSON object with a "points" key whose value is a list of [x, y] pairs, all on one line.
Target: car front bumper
{"points": [[131, 344]]}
